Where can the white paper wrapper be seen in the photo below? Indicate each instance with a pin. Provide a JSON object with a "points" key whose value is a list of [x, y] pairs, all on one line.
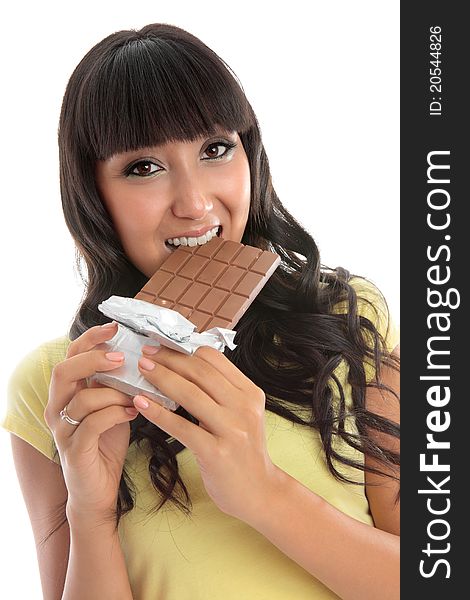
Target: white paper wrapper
{"points": [[141, 323]]}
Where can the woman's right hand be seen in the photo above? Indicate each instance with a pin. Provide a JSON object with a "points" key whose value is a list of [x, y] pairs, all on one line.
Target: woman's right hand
{"points": [[92, 453]]}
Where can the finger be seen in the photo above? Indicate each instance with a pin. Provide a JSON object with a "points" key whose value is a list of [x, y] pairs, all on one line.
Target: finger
{"points": [[84, 403], [94, 384], [86, 435], [218, 361], [198, 371], [91, 338], [88, 383], [186, 393], [90, 400], [190, 435], [67, 373]]}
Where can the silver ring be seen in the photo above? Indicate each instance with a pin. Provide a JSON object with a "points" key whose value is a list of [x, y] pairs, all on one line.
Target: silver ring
{"points": [[65, 416]]}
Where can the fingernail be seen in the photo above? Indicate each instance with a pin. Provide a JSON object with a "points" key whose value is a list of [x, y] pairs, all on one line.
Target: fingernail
{"points": [[150, 349], [115, 356], [132, 411], [141, 402], [146, 364], [108, 325]]}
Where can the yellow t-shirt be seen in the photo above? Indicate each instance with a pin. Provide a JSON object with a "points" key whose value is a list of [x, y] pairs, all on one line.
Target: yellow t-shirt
{"points": [[207, 555]]}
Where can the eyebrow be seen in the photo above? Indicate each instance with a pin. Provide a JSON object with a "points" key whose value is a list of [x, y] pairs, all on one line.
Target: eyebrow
{"points": [[118, 155]]}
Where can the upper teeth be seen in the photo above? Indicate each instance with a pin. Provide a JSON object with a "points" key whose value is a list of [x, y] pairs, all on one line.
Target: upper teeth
{"points": [[193, 241]]}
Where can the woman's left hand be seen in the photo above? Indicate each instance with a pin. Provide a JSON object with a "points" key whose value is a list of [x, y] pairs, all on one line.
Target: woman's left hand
{"points": [[229, 443]]}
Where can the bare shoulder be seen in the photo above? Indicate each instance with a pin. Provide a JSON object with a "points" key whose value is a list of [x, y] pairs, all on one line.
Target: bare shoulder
{"points": [[383, 492], [45, 494]]}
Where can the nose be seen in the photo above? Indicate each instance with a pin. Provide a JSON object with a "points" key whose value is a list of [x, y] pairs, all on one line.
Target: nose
{"points": [[190, 201]]}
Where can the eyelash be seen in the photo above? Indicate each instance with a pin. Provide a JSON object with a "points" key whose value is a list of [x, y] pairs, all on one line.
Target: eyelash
{"points": [[228, 145]]}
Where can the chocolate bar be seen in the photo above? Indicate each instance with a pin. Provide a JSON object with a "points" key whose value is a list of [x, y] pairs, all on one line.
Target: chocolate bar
{"points": [[211, 285]]}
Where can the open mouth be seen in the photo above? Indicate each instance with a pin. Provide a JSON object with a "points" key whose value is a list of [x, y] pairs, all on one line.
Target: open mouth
{"points": [[191, 241]]}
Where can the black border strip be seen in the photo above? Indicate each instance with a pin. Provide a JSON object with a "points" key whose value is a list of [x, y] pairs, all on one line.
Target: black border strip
{"points": [[441, 129]]}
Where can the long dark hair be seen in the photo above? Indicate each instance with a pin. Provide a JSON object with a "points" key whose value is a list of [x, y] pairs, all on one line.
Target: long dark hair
{"points": [[160, 84]]}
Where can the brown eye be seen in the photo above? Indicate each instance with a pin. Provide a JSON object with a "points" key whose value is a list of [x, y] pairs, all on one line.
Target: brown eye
{"points": [[143, 168], [214, 151]]}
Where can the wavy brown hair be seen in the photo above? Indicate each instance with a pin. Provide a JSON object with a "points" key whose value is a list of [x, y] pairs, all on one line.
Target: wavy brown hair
{"points": [[161, 84]]}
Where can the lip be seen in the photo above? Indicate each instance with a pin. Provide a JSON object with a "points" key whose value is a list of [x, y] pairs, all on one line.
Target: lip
{"points": [[193, 233]]}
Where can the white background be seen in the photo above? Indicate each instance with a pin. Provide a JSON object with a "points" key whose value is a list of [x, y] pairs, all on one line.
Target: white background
{"points": [[323, 80]]}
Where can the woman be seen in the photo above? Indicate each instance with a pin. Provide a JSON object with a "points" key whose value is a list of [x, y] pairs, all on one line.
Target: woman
{"points": [[278, 475]]}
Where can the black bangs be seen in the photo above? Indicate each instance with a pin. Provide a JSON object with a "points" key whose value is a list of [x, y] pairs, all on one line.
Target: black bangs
{"points": [[151, 91]]}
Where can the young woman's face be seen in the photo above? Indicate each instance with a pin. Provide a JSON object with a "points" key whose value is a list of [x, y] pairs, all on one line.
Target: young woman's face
{"points": [[176, 190]]}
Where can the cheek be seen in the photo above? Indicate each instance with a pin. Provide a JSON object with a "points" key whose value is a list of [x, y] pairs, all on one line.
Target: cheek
{"points": [[237, 187], [134, 214]]}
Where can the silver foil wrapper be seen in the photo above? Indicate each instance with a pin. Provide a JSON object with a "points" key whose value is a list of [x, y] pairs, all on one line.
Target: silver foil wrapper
{"points": [[141, 323]]}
